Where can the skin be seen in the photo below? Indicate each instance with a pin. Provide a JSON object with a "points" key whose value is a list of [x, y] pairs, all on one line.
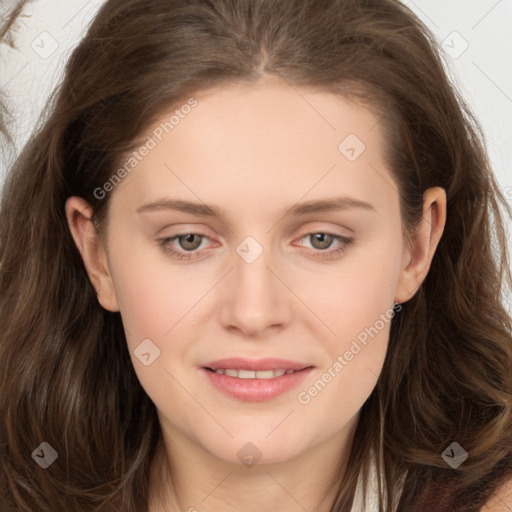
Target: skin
{"points": [[256, 150]]}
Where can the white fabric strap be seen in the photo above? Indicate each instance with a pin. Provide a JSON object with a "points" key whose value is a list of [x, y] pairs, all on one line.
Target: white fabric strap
{"points": [[371, 500]]}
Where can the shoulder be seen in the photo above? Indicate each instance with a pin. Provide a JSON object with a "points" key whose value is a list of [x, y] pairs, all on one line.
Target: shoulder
{"points": [[501, 500]]}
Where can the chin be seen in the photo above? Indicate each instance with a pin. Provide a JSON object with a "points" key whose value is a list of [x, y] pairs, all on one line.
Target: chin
{"points": [[248, 450]]}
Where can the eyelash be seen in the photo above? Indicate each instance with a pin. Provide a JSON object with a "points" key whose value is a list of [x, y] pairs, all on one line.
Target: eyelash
{"points": [[165, 244]]}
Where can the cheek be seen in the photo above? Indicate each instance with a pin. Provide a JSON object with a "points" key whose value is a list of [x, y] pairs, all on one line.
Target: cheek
{"points": [[356, 305], [153, 291], [353, 296], [146, 302], [156, 302]]}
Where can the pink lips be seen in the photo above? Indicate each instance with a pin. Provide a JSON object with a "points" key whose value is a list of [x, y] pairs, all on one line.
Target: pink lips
{"points": [[256, 390]]}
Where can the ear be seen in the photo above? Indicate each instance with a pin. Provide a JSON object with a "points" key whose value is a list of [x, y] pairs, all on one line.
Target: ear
{"points": [[418, 255], [91, 247]]}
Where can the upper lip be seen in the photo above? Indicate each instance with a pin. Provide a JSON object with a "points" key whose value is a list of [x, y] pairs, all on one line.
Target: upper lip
{"points": [[239, 363]]}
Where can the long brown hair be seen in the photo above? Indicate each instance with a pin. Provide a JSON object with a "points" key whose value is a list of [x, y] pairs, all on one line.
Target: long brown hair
{"points": [[66, 377]]}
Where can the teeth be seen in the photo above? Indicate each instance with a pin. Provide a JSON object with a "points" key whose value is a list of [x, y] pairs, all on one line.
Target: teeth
{"points": [[245, 374], [251, 374]]}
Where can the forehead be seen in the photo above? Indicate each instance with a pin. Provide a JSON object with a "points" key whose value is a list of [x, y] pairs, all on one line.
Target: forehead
{"points": [[272, 111], [266, 139]]}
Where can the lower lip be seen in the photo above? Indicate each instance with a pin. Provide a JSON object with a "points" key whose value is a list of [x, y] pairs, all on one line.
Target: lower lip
{"points": [[256, 390]]}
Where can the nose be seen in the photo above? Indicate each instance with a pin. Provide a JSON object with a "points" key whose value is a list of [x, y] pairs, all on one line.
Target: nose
{"points": [[256, 298]]}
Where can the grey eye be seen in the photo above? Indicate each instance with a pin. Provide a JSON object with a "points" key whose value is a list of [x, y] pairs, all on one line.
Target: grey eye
{"points": [[189, 243], [324, 240]]}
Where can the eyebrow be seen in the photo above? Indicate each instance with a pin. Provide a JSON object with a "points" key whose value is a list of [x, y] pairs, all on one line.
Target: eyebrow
{"points": [[299, 209]]}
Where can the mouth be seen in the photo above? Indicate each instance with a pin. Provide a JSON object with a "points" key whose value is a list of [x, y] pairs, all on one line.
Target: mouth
{"points": [[255, 381]]}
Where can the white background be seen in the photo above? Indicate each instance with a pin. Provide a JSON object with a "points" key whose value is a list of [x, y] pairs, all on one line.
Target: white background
{"points": [[477, 37]]}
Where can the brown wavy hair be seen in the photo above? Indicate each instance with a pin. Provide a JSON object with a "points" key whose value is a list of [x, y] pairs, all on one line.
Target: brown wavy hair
{"points": [[65, 372]]}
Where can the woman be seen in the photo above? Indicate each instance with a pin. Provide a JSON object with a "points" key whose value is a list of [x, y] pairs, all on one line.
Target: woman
{"points": [[334, 337]]}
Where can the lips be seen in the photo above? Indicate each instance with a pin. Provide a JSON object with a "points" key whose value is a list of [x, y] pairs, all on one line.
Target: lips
{"points": [[255, 380]]}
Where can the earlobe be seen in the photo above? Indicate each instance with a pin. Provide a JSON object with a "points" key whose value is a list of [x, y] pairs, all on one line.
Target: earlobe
{"points": [[418, 256], [79, 216]]}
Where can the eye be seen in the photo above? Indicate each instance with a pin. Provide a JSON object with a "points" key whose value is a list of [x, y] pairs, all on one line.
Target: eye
{"points": [[189, 243], [322, 241]]}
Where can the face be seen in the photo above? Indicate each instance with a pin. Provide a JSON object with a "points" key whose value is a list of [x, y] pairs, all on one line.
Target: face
{"points": [[272, 275]]}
